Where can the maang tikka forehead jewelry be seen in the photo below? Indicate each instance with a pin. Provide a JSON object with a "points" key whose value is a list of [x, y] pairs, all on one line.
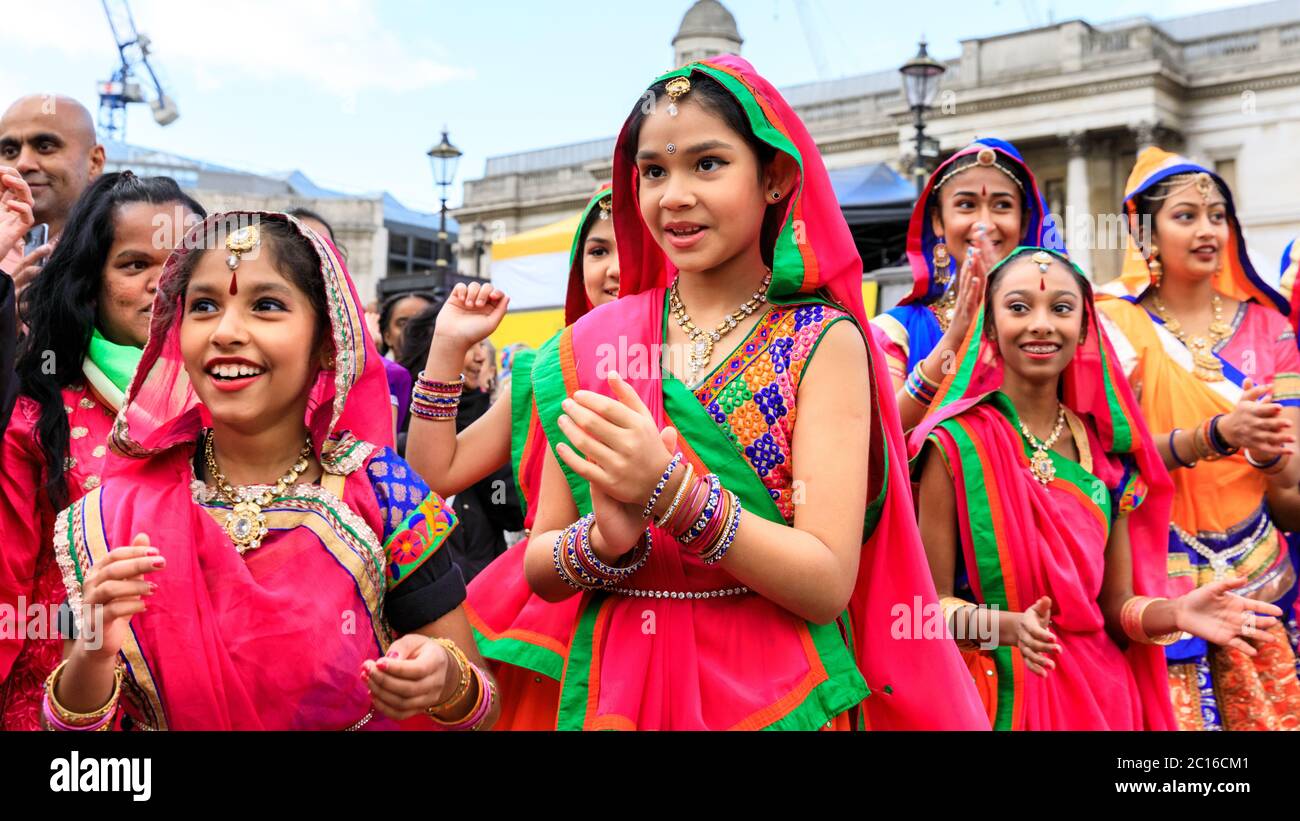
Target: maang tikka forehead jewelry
{"points": [[675, 88], [239, 242], [1044, 261], [606, 205]]}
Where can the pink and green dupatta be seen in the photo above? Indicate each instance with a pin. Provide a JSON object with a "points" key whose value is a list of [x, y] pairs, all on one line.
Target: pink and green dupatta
{"points": [[1021, 540]]}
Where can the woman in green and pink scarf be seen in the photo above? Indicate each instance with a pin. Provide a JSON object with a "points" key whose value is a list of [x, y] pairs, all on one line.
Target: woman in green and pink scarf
{"points": [[1040, 483], [88, 319], [725, 484]]}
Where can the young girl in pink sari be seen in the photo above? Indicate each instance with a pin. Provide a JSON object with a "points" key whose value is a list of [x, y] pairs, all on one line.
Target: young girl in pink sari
{"points": [[738, 526], [222, 591], [1044, 484]]}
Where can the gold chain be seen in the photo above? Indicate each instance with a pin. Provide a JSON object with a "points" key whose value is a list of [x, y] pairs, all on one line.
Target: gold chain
{"points": [[701, 350]]}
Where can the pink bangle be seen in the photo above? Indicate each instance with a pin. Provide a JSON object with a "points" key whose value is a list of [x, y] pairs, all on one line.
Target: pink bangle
{"points": [[485, 704], [56, 724]]}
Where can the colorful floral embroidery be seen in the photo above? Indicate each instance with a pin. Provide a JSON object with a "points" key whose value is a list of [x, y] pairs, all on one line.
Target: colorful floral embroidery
{"points": [[752, 396]]}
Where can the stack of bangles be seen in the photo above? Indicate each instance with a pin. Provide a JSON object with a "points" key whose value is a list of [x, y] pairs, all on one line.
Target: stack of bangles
{"points": [[438, 401], [951, 606], [580, 567], [58, 717], [921, 387], [1130, 619], [472, 716]]}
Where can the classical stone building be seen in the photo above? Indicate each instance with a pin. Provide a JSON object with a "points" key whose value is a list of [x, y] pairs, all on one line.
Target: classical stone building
{"points": [[389, 247], [1078, 98]]}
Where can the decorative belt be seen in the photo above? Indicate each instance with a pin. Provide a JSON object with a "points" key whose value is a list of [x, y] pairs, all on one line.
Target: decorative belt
{"points": [[679, 594], [1221, 560], [365, 719]]}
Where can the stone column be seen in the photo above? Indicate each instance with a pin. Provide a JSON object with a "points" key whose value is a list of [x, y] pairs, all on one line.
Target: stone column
{"points": [[1078, 217]]}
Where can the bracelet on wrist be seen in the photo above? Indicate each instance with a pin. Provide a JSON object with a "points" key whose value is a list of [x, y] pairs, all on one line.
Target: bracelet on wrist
{"points": [[649, 508]]}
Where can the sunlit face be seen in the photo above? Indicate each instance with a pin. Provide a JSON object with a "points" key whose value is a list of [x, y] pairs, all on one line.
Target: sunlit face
{"points": [[600, 274], [53, 147], [1192, 235], [704, 202], [245, 353], [405, 308], [475, 364], [144, 235], [1037, 318], [979, 195]]}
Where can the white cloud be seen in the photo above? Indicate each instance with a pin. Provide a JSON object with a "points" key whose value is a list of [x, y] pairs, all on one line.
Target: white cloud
{"points": [[340, 47]]}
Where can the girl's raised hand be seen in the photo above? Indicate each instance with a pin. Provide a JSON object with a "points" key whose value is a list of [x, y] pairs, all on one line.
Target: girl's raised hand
{"points": [[1216, 614], [1034, 638], [626, 452], [410, 679], [472, 312], [115, 590], [16, 204]]}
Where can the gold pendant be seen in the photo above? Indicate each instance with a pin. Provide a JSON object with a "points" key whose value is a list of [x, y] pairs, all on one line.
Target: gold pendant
{"points": [[1042, 467], [246, 526], [1207, 367]]}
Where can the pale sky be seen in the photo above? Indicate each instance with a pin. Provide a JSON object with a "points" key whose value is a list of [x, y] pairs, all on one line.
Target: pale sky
{"points": [[353, 93]]}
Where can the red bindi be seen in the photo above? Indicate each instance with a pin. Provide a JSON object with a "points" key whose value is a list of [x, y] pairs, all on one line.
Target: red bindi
{"points": [[1042, 284], [984, 190], [234, 284]]}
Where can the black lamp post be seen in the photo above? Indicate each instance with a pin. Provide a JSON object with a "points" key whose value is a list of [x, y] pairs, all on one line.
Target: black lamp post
{"points": [[444, 157], [480, 234], [920, 85]]}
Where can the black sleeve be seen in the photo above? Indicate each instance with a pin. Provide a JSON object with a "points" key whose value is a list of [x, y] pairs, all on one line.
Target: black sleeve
{"points": [[436, 588], [8, 348]]}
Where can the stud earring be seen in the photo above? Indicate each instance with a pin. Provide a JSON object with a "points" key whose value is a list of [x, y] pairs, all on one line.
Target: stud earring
{"points": [[776, 195]]}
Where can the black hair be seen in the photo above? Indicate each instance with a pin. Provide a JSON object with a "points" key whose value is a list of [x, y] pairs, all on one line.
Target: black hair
{"points": [[60, 307], [386, 314], [292, 254], [417, 336], [715, 98]]}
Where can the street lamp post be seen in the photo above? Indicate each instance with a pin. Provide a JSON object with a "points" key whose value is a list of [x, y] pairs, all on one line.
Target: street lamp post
{"points": [[480, 234], [444, 157], [920, 85]]}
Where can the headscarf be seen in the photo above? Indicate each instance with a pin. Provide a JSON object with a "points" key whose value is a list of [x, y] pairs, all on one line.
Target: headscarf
{"points": [[1040, 228], [576, 302]]}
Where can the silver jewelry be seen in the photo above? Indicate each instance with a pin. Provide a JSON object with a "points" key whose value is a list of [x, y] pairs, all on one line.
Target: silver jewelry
{"points": [[672, 148]]}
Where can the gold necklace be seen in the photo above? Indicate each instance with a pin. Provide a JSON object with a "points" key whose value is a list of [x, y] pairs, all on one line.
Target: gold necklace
{"points": [[1040, 463], [701, 350], [945, 307], [1205, 365], [246, 523]]}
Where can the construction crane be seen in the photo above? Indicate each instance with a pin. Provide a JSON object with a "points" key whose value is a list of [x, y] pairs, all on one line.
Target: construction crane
{"points": [[122, 88]]}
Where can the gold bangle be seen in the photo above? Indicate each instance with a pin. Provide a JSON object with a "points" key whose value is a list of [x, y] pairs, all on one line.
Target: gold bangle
{"points": [[950, 606], [677, 497], [462, 686], [71, 717], [484, 688]]}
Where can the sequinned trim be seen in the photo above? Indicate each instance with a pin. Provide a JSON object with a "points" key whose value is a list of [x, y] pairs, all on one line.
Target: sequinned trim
{"points": [[66, 524], [345, 455], [680, 594]]}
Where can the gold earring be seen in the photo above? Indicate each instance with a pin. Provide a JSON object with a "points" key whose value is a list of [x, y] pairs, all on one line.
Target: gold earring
{"points": [[1153, 265], [940, 258]]}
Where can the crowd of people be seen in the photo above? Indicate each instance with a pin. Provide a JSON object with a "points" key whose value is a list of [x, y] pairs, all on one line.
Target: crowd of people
{"points": [[721, 497]]}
